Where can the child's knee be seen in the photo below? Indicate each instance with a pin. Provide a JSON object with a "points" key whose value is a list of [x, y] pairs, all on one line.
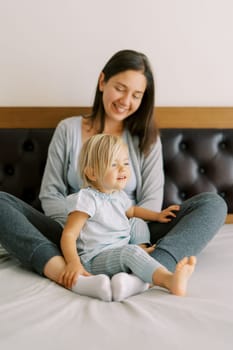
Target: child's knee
{"points": [[139, 232], [131, 249]]}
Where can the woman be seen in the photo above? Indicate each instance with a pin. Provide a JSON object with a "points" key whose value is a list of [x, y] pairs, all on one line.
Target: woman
{"points": [[123, 105]]}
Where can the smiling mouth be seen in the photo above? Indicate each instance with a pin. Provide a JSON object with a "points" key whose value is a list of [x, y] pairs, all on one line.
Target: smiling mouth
{"points": [[120, 109], [120, 178]]}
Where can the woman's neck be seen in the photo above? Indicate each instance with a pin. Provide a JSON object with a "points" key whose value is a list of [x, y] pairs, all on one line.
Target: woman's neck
{"points": [[111, 127]]}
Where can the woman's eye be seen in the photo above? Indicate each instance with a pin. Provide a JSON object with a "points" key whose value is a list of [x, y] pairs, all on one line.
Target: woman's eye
{"points": [[119, 88], [113, 165], [137, 97]]}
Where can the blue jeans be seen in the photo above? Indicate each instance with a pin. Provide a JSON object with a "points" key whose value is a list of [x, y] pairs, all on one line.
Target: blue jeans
{"points": [[34, 239], [199, 218], [28, 234]]}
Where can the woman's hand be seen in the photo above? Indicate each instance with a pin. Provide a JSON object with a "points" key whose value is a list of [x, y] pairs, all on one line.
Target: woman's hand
{"points": [[69, 275], [167, 214]]}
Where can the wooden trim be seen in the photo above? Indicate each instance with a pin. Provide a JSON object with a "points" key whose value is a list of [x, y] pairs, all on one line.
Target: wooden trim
{"points": [[167, 117], [37, 117], [229, 219], [195, 117]]}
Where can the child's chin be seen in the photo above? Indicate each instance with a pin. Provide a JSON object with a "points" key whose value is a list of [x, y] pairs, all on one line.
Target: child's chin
{"points": [[122, 185]]}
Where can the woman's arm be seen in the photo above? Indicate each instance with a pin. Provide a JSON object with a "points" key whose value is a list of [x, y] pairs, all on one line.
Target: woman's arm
{"points": [[54, 186], [152, 177], [149, 174]]}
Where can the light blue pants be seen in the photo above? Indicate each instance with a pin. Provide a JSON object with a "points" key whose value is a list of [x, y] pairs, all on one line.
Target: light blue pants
{"points": [[34, 239], [129, 258], [139, 232]]}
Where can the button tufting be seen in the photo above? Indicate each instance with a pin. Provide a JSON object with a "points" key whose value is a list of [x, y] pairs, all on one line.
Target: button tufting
{"points": [[183, 195], [9, 169], [28, 146], [223, 145], [202, 171], [183, 146]]}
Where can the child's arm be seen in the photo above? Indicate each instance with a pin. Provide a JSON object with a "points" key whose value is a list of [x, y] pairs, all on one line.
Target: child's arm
{"points": [[70, 234], [165, 215]]}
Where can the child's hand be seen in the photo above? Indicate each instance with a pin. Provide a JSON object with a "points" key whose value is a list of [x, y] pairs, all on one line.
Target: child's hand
{"points": [[167, 214], [149, 249], [69, 275]]}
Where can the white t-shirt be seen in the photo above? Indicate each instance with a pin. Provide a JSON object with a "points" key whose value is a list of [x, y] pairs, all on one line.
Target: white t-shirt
{"points": [[107, 226]]}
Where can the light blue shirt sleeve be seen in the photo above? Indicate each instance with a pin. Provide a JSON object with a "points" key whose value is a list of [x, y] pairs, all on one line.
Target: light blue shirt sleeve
{"points": [[55, 186], [152, 187], [149, 174]]}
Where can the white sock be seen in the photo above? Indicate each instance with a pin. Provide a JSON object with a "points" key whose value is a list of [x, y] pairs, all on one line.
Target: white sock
{"points": [[98, 286], [125, 285]]}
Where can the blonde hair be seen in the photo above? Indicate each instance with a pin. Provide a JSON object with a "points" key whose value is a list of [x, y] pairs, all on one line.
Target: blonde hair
{"points": [[97, 154]]}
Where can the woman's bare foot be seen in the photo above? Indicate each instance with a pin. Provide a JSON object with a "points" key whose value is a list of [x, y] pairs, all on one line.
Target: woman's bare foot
{"points": [[176, 282], [183, 272]]}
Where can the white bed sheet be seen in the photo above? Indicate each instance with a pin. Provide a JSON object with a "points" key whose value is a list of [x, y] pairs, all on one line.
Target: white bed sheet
{"points": [[35, 313]]}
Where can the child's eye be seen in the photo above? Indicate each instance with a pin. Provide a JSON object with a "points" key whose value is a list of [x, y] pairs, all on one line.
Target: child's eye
{"points": [[126, 164], [114, 165]]}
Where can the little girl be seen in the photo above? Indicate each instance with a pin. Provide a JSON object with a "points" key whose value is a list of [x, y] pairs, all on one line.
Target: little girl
{"points": [[101, 237]]}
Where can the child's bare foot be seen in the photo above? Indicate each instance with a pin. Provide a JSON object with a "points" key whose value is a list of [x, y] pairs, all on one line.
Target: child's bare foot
{"points": [[183, 272], [176, 282]]}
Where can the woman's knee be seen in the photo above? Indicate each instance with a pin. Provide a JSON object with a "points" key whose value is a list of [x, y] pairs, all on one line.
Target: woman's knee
{"points": [[208, 202], [6, 199], [5, 205], [3, 196], [214, 202]]}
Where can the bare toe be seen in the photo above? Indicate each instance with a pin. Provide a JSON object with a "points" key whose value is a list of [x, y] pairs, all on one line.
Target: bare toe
{"points": [[192, 260], [183, 272]]}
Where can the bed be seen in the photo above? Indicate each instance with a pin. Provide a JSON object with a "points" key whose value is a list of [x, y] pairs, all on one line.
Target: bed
{"points": [[35, 313]]}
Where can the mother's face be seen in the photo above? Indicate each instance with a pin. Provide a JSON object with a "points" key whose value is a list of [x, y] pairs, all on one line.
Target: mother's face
{"points": [[122, 93]]}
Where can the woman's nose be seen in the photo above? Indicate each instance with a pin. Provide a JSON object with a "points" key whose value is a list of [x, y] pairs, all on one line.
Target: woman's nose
{"points": [[125, 99]]}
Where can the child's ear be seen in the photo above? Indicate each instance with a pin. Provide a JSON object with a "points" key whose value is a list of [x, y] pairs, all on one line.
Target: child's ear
{"points": [[89, 172], [101, 82]]}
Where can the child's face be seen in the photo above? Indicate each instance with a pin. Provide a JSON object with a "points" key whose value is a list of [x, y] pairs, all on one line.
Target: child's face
{"points": [[117, 175]]}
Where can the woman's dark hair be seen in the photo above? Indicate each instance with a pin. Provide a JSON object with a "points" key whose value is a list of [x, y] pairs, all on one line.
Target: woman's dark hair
{"points": [[141, 123]]}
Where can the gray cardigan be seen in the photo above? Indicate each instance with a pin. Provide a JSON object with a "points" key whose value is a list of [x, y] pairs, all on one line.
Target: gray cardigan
{"points": [[60, 175]]}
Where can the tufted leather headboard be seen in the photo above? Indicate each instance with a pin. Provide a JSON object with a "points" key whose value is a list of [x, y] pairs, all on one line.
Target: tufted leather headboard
{"points": [[23, 155], [195, 160], [198, 160]]}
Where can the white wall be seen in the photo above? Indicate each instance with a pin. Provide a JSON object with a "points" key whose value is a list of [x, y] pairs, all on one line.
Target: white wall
{"points": [[51, 51]]}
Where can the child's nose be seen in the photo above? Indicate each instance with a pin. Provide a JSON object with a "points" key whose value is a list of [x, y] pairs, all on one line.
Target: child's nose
{"points": [[121, 167]]}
